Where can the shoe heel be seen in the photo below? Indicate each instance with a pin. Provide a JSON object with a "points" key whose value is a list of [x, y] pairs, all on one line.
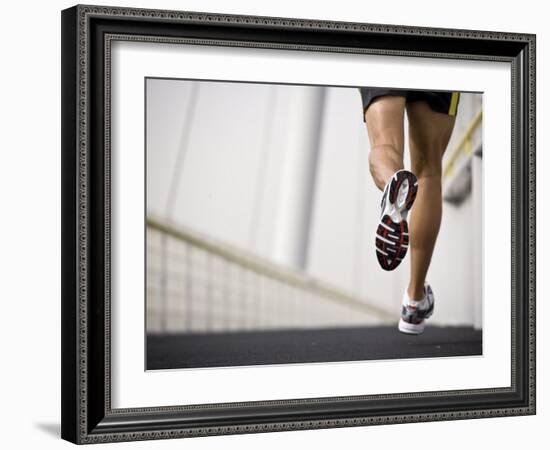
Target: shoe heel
{"points": [[413, 189], [396, 182], [411, 328]]}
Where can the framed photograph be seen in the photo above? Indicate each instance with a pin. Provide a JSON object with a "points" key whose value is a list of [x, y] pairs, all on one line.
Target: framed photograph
{"points": [[278, 224]]}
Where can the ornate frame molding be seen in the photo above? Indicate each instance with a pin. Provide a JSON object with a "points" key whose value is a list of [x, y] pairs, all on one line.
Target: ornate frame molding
{"points": [[86, 194]]}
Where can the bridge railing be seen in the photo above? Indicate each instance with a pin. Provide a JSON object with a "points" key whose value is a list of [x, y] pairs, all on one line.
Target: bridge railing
{"points": [[195, 284]]}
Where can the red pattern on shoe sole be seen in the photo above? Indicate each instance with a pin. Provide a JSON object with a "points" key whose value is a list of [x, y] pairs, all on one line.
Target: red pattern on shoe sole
{"points": [[397, 249]]}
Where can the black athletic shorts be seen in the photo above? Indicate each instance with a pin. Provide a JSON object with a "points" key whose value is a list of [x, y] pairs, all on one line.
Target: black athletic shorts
{"points": [[442, 102]]}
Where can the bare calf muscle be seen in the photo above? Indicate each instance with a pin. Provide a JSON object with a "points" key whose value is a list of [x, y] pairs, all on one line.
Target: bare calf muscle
{"points": [[384, 119], [429, 134]]}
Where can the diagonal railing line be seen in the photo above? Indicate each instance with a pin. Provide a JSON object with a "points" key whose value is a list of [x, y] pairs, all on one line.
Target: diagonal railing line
{"points": [[266, 268], [463, 147]]}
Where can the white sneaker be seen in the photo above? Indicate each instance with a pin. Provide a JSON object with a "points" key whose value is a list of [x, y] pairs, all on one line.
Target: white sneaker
{"points": [[415, 313], [392, 234]]}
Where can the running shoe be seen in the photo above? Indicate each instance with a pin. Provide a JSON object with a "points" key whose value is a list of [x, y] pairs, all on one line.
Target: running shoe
{"points": [[392, 234], [415, 313]]}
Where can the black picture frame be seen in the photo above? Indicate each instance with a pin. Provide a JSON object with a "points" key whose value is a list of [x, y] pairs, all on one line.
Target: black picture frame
{"points": [[87, 415]]}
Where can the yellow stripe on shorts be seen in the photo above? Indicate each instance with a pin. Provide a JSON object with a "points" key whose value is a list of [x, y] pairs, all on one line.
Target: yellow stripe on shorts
{"points": [[454, 103]]}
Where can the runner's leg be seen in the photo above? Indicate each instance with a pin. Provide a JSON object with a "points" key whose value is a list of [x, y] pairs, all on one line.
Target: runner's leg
{"points": [[384, 119], [429, 134]]}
